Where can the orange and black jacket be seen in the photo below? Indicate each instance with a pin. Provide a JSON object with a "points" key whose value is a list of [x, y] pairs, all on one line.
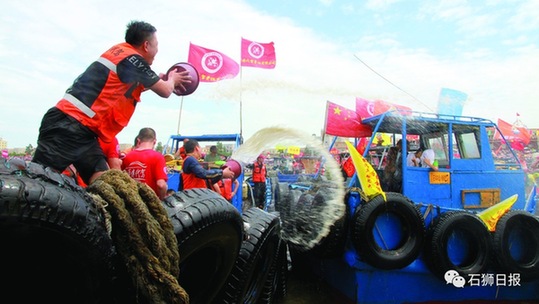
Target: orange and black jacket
{"points": [[103, 98], [195, 176]]}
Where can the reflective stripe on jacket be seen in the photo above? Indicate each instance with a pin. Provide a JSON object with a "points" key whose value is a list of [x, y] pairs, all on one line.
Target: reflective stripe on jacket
{"points": [[99, 99]]}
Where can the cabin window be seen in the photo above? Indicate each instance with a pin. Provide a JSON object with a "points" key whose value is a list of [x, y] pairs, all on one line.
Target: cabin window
{"points": [[439, 144], [468, 145]]}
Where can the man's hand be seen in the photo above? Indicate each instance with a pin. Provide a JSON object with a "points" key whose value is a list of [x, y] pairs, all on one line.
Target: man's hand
{"points": [[227, 173], [168, 83], [180, 78]]}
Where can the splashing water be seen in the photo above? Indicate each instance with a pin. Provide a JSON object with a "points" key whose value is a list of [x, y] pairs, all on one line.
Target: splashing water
{"points": [[308, 212]]}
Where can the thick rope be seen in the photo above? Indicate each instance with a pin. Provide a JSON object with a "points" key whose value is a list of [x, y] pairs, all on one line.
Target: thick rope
{"points": [[143, 235]]}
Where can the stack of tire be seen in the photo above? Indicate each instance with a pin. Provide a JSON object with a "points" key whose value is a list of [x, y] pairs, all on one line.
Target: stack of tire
{"points": [[56, 247], [512, 248]]}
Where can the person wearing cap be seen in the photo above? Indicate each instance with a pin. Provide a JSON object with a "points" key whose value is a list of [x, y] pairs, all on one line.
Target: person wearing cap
{"points": [[100, 103], [194, 175], [259, 181]]}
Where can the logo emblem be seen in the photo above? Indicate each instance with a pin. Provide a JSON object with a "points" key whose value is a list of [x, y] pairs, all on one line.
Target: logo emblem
{"points": [[453, 277], [212, 62], [255, 50]]}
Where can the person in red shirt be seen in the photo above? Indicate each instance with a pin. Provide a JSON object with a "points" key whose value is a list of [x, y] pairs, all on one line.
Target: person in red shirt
{"points": [[101, 101], [146, 165]]}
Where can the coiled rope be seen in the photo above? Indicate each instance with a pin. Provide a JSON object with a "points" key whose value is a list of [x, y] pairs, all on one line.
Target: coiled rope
{"points": [[143, 235]]}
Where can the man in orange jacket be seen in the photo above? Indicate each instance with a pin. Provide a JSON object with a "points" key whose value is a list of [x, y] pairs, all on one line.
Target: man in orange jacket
{"points": [[100, 103], [194, 175]]}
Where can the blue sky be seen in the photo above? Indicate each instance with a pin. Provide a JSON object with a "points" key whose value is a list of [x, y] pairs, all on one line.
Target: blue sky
{"points": [[487, 49]]}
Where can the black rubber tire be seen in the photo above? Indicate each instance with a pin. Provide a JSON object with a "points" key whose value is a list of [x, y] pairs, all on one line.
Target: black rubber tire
{"points": [[55, 246], [283, 268], [527, 227], [413, 229], [289, 203], [209, 231], [274, 188], [477, 237], [276, 283], [332, 245], [281, 191], [255, 261], [298, 227]]}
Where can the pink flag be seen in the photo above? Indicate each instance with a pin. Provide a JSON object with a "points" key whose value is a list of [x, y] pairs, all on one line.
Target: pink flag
{"points": [[366, 108], [211, 65], [258, 55]]}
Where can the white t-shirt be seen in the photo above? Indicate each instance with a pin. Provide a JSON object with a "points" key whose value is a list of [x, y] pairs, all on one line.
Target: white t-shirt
{"points": [[427, 154], [410, 160]]}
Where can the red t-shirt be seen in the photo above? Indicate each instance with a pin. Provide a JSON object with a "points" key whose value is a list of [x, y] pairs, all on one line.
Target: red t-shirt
{"points": [[111, 149], [145, 166]]}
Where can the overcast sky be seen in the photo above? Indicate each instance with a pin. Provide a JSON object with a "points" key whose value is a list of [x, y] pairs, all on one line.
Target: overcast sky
{"points": [[403, 52]]}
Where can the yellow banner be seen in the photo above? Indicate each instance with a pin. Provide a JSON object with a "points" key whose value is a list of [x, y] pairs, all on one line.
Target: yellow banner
{"points": [[293, 150], [436, 177]]}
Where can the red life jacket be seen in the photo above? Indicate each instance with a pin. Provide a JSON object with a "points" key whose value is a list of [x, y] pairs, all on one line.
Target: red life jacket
{"points": [[259, 173], [225, 185], [108, 103], [190, 181]]}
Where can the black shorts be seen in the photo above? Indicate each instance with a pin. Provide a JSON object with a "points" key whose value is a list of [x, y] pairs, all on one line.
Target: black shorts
{"points": [[63, 141]]}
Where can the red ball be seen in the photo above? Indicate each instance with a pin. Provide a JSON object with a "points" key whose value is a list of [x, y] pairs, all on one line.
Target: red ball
{"points": [[235, 166], [189, 87]]}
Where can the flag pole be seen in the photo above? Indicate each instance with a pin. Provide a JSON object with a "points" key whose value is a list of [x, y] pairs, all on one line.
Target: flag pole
{"points": [[180, 115], [325, 122], [241, 102]]}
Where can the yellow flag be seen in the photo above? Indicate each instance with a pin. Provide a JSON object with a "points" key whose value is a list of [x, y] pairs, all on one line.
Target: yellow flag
{"points": [[366, 174], [492, 215]]}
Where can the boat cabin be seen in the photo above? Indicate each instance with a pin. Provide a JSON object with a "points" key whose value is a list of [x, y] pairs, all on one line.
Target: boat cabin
{"points": [[471, 174]]}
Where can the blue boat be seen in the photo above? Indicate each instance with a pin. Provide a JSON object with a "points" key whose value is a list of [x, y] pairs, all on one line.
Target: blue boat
{"points": [[445, 235], [174, 143]]}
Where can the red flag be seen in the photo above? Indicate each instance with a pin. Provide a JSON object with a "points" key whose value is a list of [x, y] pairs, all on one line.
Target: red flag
{"points": [[512, 133], [211, 65], [366, 108], [258, 55], [344, 122]]}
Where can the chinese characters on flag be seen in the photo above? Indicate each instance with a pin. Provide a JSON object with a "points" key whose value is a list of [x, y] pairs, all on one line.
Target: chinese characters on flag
{"points": [[258, 55], [344, 122], [211, 65]]}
